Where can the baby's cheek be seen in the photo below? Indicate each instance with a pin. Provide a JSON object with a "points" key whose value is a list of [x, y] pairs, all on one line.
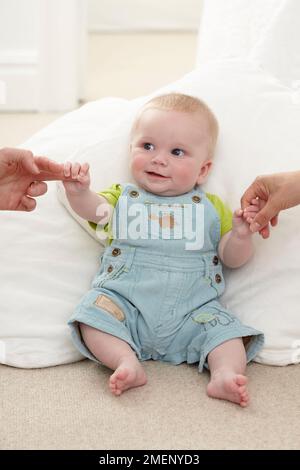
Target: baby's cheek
{"points": [[186, 174], [137, 163]]}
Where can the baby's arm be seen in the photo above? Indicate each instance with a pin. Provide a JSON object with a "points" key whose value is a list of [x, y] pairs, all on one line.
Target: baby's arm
{"points": [[235, 247], [86, 203]]}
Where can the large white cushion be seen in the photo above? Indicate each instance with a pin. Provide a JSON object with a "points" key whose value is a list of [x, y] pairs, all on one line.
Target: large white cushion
{"points": [[259, 122], [277, 51], [257, 101], [231, 29], [47, 260], [44, 258]]}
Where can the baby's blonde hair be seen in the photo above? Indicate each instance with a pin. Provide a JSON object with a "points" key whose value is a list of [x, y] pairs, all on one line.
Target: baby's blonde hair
{"points": [[186, 104]]}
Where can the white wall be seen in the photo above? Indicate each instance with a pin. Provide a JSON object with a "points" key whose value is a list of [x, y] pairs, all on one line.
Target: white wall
{"points": [[18, 24], [19, 52], [42, 43], [145, 15], [41, 54]]}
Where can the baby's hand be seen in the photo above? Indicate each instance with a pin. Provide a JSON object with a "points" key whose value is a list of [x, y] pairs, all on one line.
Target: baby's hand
{"points": [[251, 211], [77, 177], [242, 218], [249, 215]]}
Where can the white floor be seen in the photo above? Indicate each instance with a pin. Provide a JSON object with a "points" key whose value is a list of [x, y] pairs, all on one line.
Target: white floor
{"points": [[124, 65]]}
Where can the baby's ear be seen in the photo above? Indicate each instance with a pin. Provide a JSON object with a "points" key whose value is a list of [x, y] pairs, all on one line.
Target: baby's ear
{"points": [[204, 171]]}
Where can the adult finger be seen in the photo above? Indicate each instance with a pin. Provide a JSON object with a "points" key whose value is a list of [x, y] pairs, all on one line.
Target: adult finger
{"points": [[249, 194], [265, 232], [274, 221], [20, 156], [26, 159], [37, 188], [27, 204], [49, 169]]}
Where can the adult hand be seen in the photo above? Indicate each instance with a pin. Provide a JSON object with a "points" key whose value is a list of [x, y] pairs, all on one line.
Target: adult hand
{"points": [[275, 193], [22, 177]]}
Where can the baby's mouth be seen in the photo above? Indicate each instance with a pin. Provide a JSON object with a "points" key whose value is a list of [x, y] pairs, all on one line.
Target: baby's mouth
{"points": [[156, 175]]}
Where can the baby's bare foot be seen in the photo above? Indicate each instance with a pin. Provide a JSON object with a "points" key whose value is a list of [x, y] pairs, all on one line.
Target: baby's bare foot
{"points": [[127, 375], [229, 386]]}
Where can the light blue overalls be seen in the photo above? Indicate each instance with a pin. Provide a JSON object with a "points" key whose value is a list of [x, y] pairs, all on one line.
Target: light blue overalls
{"points": [[153, 292]]}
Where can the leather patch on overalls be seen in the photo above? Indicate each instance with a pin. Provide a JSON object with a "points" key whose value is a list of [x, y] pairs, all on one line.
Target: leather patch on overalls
{"points": [[105, 303], [165, 220]]}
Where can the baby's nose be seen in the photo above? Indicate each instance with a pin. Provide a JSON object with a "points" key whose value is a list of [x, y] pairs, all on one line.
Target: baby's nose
{"points": [[160, 158]]}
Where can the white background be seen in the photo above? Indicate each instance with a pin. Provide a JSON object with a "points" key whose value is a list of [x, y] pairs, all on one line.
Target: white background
{"points": [[43, 43]]}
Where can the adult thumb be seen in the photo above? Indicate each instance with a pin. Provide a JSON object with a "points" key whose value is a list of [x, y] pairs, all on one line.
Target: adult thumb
{"points": [[29, 163]]}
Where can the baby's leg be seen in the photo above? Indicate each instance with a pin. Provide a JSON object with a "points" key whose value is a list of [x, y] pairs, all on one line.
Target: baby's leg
{"points": [[117, 355], [227, 363]]}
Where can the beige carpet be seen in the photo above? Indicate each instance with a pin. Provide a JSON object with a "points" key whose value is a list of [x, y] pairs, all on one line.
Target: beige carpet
{"points": [[70, 407]]}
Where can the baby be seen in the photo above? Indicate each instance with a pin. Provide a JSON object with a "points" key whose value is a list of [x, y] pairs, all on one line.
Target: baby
{"points": [[156, 293]]}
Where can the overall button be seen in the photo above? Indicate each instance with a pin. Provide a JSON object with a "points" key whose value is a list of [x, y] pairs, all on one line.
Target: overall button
{"points": [[196, 199], [110, 268], [116, 252], [215, 260], [218, 278], [134, 193]]}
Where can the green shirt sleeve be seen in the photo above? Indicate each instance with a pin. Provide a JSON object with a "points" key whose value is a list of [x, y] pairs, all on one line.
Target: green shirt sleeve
{"points": [[112, 195], [224, 212]]}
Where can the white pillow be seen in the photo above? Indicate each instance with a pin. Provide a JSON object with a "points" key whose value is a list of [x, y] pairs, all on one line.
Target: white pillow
{"points": [[44, 259], [259, 122], [230, 29], [278, 51], [47, 260]]}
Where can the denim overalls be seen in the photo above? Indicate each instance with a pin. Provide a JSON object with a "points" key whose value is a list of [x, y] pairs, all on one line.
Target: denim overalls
{"points": [[160, 279]]}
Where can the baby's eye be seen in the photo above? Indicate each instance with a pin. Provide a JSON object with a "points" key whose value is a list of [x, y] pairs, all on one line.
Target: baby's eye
{"points": [[178, 152], [148, 146]]}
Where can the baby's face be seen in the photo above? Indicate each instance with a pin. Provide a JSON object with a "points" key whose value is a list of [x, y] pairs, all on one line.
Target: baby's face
{"points": [[169, 151]]}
